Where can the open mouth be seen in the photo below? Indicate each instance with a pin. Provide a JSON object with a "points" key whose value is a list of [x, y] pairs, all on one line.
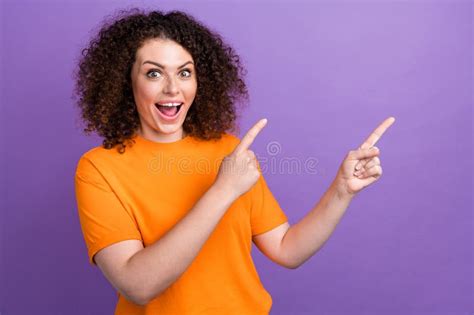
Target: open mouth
{"points": [[169, 111]]}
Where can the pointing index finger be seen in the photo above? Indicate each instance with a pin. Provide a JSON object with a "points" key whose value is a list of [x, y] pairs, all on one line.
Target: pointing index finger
{"points": [[250, 136], [377, 133]]}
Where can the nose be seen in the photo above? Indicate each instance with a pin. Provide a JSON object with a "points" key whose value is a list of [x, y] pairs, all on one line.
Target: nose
{"points": [[171, 87]]}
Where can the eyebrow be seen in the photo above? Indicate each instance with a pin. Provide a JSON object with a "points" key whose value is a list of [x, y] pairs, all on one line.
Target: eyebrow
{"points": [[163, 67]]}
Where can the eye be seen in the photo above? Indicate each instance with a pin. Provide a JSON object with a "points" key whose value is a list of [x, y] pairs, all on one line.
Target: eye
{"points": [[153, 74], [186, 73]]}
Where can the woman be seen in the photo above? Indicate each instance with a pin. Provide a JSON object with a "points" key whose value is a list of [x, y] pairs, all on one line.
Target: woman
{"points": [[171, 202]]}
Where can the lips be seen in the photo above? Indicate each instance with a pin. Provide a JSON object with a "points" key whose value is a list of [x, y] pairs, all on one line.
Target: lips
{"points": [[166, 113], [165, 106]]}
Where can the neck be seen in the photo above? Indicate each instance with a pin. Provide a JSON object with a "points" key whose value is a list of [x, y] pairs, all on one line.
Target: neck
{"points": [[162, 137]]}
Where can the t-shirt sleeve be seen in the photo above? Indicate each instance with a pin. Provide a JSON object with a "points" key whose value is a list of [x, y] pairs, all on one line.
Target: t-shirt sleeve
{"points": [[103, 218], [266, 213]]}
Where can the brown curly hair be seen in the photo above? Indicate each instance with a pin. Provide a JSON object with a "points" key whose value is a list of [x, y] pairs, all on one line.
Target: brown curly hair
{"points": [[103, 82]]}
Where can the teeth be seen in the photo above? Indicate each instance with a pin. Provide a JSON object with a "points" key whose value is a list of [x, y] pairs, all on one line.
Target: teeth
{"points": [[170, 104]]}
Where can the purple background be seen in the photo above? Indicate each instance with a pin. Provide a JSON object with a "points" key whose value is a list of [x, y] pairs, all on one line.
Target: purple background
{"points": [[325, 75]]}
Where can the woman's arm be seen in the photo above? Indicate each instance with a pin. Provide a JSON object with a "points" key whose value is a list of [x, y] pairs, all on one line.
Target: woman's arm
{"points": [[292, 246], [140, 274], [306, 237]]}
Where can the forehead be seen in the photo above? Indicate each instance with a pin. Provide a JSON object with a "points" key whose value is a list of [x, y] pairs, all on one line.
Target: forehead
{"points": [[163, 51]]}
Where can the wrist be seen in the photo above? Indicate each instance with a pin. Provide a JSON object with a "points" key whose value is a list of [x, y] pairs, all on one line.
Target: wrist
{"points": [[224, 191], [340, 188]]}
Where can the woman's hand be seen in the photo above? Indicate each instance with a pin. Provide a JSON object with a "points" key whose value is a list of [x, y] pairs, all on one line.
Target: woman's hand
{"points": [[238, 171], [361, 167]]}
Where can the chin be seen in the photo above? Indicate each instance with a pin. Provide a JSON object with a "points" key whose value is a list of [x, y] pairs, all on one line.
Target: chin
{"points": [[168, 129]]}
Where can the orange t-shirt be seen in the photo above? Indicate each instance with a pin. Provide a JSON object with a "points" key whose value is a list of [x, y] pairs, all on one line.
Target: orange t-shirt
{"points": [[144, 192]]}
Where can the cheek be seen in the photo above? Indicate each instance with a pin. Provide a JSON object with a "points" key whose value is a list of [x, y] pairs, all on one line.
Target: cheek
{"points": [[149, 93], [190, 89], [145, 91]]}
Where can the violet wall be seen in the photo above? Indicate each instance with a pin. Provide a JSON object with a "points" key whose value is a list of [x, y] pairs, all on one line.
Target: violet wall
{"points": [[325, 74]]}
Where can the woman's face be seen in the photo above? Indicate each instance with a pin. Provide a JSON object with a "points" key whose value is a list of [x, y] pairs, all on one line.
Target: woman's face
{"points": [[163, 76]]}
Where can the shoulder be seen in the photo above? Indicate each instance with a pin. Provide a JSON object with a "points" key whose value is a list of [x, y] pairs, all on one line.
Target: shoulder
{"points": [[229, 141], [96, 154], [97, 157], [223, 145], [85, 164], [99, 153], [230, 138]]}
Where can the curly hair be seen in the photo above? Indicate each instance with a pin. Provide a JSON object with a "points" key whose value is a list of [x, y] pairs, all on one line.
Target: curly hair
{"points": [[103, 77]]}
